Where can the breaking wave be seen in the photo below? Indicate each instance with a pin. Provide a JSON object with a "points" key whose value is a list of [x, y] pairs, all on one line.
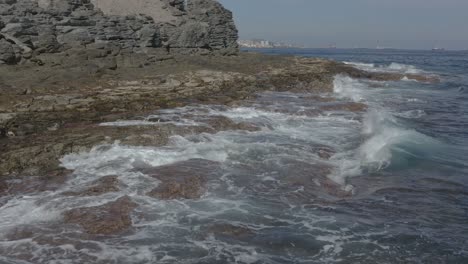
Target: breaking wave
{"points": [[386, 142], [392, 67]]}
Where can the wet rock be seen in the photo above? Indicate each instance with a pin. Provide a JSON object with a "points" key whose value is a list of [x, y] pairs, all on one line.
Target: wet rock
{"points": [[187, 188], [324, 152], [182, 180], [320, 99], [107, 219], [384, 77], [33, 184], [222, 123], [19, 233], [423, 78], [306, 174], [103, 185], [314, 179]]}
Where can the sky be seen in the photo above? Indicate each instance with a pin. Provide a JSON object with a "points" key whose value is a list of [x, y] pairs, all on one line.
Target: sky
{"points": [[408, 24]]}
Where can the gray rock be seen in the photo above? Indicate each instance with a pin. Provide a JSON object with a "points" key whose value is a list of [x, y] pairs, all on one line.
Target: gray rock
{"points": [[7, 2], [7, 52], [36, 27], [223, 33], [46, 42]]}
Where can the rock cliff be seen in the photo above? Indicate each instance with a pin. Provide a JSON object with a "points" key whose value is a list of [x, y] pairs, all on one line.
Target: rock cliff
{"points": [[109, 28]]}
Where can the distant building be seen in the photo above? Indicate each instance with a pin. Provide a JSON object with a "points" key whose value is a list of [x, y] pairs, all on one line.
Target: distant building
{"points": [[261, 43]]}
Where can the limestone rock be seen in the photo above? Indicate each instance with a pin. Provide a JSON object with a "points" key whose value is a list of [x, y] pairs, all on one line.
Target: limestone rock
{"points": [[136, 27]]}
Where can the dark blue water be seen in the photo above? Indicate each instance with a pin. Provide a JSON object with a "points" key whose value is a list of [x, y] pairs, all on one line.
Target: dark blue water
{"points": [[314, 185]]}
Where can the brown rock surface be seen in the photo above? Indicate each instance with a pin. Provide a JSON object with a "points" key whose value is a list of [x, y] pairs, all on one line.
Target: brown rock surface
{"points": [[345, 106], [182, 180], [107, 219]]}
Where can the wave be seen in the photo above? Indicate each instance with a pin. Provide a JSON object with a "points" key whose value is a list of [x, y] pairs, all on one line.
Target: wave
{"points": [[392, 67], [387, 143]]}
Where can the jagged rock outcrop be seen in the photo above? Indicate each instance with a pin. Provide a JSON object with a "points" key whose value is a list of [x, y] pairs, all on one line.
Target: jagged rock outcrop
{"points": [[206, 25], [188, 26], [112, 27]]}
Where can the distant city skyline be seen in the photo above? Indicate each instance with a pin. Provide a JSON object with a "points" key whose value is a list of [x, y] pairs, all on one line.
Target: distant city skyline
{"points": [[402, 24]]}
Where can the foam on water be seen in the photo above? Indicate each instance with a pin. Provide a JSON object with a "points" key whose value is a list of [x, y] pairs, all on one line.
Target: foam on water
{"points": [[392, 67], [103, 160]]}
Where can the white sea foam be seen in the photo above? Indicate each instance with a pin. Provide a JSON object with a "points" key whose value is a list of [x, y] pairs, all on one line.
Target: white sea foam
{"points": [[105, 159], [385, 140], [412, 114], [124, 123], [392, 67], [24, 211], [346, 87]]}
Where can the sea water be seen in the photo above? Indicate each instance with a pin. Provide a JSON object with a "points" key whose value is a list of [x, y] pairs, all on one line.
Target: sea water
{"points": [[392, 189]]}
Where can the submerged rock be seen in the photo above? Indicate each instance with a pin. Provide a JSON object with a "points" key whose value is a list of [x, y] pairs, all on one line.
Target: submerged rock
{"points": [[107, 219], [230, 230], [222, 123], [182, 180], [345, 106], [103, 185], [313, 178], [33, 184], [190, 187]]}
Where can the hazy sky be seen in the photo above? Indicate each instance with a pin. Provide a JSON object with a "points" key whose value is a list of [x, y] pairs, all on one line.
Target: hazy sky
{"points": [[414, 24]]}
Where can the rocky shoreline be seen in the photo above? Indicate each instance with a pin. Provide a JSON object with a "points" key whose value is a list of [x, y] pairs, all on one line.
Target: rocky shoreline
{"points": [[49, 111], [59, 94]]}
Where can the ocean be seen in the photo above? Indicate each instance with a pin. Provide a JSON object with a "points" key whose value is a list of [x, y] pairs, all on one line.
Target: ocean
{"points": [[384, 185]]}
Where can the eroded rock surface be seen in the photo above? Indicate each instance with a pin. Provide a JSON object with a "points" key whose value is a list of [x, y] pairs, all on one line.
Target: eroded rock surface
{"points": [[107, 219]]}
